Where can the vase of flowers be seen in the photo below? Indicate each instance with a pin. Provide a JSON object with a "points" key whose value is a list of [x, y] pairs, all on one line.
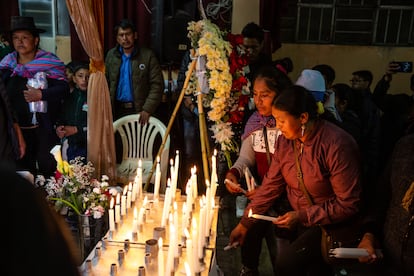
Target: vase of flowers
{"points": [[78, 196]]}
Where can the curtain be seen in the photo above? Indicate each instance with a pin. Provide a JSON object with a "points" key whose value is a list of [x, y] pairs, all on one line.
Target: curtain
{"points": [[101, 146], [113, 11], [7, 10]]}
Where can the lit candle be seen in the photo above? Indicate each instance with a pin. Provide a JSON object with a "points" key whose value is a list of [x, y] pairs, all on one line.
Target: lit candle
{"points": [[262, 217], [123, 201], [187, 269], [118, 209], [160, 258], [207, 210], [111, 216], [157, 179]]}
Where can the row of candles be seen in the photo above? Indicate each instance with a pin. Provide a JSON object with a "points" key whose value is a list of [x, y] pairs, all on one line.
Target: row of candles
{"points": [[195, 231]]}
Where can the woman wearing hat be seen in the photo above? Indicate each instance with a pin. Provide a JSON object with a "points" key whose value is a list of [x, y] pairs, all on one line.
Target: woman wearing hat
{"points": [[36, 105]]}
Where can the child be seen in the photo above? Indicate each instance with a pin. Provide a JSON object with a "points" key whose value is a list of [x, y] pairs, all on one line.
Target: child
{"points": [[74, 117]]}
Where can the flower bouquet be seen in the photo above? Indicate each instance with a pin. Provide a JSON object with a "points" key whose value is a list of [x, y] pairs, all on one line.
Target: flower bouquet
{"points": [[73, 187]]}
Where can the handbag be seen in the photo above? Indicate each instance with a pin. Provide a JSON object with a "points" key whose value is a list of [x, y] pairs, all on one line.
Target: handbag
{"points": [[344, 234]]}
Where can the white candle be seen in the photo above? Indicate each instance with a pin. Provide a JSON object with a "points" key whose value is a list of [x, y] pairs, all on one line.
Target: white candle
{"points": [[118, 209], [129, 196], [201, 230], [262, 217], [189, 193], [185, 218], [176, 166], [111, 216], [194, 237], [141, 216], [194, 182], [160, 258], [139, 178], [213, 178], [135, 221], [166, 208], [171, 249], [157, 179], [123, 201], [207, 210], [134, 191], [189, 251], [173, 183]]}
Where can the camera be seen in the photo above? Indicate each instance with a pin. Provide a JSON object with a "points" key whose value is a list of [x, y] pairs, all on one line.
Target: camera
{"points": [[405, 66]]}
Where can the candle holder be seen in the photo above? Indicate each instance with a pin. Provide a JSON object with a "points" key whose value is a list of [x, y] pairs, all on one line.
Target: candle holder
{"points": [[121, 257], [104, 242], [141, 271], [151, 246], [88, 265], [148, 259], [135, 236], [98, 252], [114, 270], [159, 232], [126, 245]]}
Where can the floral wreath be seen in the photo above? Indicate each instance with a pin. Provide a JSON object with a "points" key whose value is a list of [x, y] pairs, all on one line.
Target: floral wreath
{"points": [[228, 91]]}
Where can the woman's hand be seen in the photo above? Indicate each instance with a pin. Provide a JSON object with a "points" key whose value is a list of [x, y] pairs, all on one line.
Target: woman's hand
{"points": [[32, 94], [232, 184], [368, 243], [238, 235], [288, 220]]}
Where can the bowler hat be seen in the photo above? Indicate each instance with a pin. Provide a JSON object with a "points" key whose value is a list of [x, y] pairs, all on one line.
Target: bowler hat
{"points": [[24, 23]]}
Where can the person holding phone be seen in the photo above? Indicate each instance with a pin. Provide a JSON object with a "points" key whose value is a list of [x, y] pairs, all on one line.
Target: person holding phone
{"points": [[398, 110]]}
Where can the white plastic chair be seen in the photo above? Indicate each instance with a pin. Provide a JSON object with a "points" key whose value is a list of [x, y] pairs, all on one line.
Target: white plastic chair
{"points": [[138, 142]]}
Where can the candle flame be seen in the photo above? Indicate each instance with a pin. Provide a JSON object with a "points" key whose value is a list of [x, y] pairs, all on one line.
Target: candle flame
{"points": [[160, 243], [158, 159], [250, 213], [125, 190]]}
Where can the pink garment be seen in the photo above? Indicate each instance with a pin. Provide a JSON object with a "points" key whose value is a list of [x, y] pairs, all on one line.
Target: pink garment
{"points": [[331, 171]]}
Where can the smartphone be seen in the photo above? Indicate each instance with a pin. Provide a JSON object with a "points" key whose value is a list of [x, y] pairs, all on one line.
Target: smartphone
{"points": [[405, 66]]}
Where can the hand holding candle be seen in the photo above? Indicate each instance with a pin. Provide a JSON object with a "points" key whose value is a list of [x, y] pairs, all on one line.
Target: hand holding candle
{"points": [[262, 217]]}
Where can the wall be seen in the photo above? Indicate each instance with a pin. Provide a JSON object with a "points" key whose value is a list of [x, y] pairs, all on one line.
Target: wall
{"points": [[347, 59]]}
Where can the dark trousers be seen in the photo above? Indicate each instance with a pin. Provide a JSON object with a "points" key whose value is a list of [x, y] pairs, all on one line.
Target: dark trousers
{"points": [[252, 246], [38, 160], [302, 257]]}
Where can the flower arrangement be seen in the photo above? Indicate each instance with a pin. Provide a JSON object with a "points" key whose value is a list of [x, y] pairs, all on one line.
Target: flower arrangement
{"points": [[73, 187], [228, 88]]}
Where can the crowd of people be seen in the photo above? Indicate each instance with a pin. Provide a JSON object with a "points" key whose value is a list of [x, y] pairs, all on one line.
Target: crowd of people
{"points": [[351, 147]]}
